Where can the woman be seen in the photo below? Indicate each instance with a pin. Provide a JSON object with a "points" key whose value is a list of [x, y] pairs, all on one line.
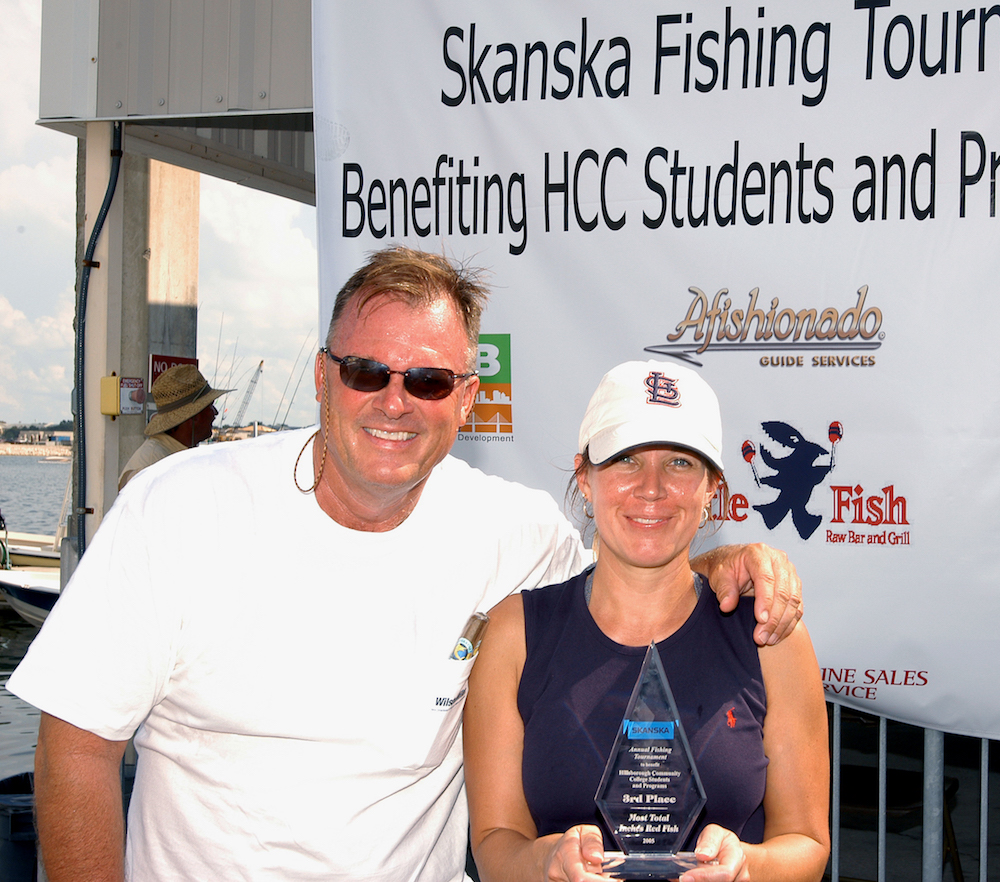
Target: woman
{"points": [[550, 686]]}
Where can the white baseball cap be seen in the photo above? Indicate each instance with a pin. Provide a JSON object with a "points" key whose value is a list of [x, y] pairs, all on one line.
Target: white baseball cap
{"points": [[652, 402]]}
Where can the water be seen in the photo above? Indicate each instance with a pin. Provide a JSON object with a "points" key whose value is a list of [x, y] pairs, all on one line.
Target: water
{"points": [[31, 493], [18, 720], [31, 496]]}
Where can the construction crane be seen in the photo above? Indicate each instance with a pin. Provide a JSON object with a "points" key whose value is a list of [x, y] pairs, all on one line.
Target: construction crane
{"points": [[238, 422]]}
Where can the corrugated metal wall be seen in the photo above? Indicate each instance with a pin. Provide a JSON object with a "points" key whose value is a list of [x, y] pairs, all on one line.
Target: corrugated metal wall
{"points": [[187, 57], [222, 86]]}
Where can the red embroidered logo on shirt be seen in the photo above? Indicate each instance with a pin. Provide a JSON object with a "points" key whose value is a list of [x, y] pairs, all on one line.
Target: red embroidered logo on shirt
{"points": [[731, 718]]}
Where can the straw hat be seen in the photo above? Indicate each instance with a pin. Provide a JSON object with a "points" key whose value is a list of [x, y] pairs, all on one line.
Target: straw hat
{"points": [[180, 392], [652, 402]]}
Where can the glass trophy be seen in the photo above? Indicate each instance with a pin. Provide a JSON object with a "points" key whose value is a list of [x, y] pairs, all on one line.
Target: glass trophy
{"points": [[651, 794]]}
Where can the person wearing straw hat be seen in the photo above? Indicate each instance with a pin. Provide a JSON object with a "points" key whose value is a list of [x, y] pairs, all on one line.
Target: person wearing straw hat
{"points": [[184, 414]]}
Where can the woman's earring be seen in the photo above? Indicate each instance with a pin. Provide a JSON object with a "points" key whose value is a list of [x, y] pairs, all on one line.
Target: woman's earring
{"points": [[705, 515], [588, 508]]}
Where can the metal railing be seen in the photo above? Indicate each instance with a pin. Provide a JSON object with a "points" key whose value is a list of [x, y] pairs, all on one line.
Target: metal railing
{"points": [[927, 790]]}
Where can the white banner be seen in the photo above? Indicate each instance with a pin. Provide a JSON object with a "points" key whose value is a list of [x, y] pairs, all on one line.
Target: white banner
{"points": [[801, 197]]}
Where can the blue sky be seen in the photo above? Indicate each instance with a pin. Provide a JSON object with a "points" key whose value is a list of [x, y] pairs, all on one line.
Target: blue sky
{"points": [[257, 265]]}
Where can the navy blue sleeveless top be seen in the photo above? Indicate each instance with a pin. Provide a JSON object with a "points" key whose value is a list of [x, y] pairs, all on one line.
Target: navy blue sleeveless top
{"points": [[576, 683]]}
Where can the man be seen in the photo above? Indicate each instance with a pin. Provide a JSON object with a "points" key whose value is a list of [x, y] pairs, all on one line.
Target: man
{"points": [[184, 415], [285, 655]]}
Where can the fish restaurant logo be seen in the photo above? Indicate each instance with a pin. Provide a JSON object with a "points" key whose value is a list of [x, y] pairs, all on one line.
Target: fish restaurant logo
{"points": [[491, 418], [853, 333], [796, 467], [794, 475]]}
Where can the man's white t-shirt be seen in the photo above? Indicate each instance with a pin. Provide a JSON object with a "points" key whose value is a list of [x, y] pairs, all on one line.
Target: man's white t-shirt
{"points": [[290, 679]]}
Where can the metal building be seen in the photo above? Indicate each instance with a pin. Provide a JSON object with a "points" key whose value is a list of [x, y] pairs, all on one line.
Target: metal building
{"points": [[221, 88]]}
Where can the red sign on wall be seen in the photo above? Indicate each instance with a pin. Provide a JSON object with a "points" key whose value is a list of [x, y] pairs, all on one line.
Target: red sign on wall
{"points": [[160, 363]]}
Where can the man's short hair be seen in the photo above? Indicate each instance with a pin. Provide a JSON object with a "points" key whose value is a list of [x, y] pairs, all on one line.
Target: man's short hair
{"points": [[416, 278]]}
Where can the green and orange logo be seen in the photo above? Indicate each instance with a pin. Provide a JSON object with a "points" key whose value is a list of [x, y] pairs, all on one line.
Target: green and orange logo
{"points": [[492, 411]]}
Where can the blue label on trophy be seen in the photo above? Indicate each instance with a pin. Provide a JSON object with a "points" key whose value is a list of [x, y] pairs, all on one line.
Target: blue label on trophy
{"points": [[636, 730]]}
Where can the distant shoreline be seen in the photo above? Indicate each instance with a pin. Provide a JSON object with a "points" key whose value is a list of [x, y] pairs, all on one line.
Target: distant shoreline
{"points": [[9, 449]]}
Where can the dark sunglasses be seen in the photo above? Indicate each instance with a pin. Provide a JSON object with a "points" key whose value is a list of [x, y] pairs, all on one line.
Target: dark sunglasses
{"points": [[366, 375]]}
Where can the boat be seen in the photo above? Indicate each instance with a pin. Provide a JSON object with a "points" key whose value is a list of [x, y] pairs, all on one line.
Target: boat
{"points": [[32, 549], [31, 591]]}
